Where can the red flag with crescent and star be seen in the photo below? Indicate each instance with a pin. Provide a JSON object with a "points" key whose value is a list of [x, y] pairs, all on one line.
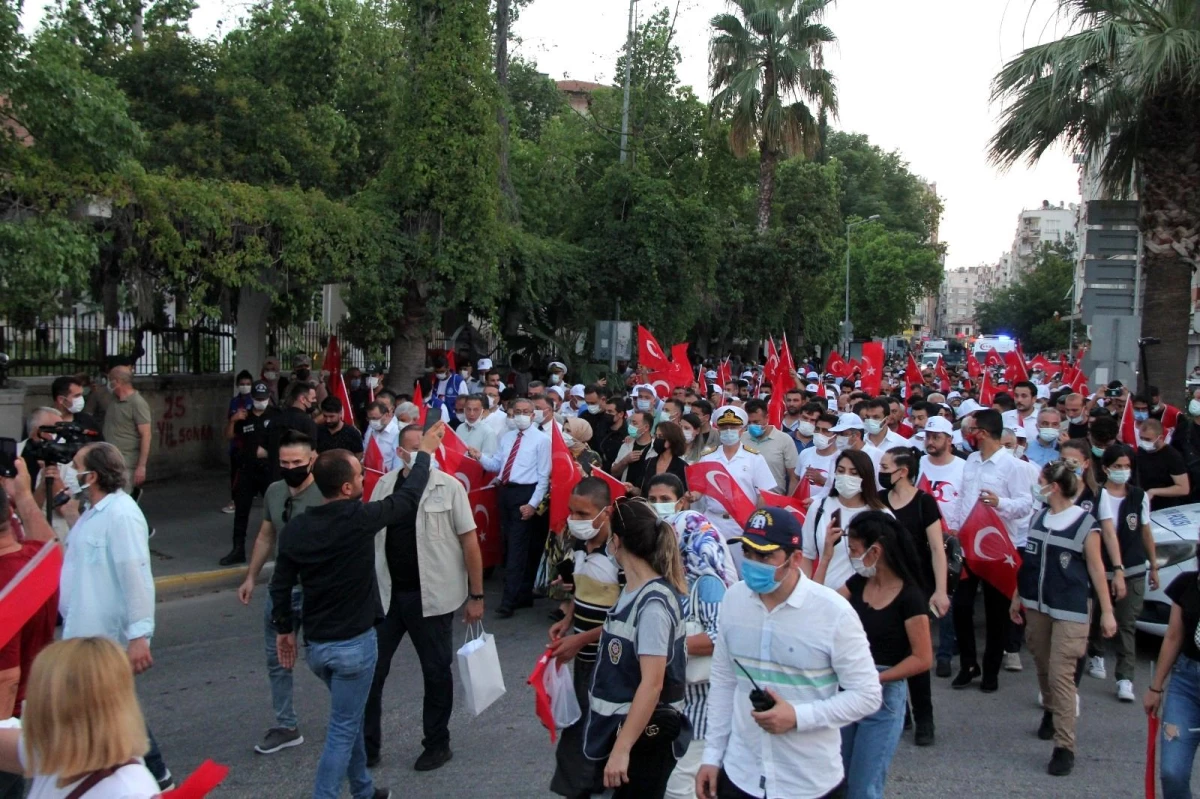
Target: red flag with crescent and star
{"points": [[942, 375], [372, 468], [419, 400], [724, 373], [564, 474], [1014, 369], [973, 367], [701, 382], [453, 458], [987, 549], [786, 373], [792, 504], [615, 487], [993, 359], [713, 480], [872, 367], [834, 365], [1129, 428], [912, 375], [485, 507], [650, 353], [987, 392]]}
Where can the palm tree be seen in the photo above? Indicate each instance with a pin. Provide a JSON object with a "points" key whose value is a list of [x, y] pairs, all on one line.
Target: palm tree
{"points": [[762, 56], [1124, 87]]}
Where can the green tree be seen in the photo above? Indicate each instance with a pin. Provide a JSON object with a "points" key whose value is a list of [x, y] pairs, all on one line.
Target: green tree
{"points": [[1123, 88], [889, 271], [1032, 309], [761, 57]]}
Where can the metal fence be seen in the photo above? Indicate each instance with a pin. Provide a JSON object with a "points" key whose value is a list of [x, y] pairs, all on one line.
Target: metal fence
{"points": [[83, 343]]}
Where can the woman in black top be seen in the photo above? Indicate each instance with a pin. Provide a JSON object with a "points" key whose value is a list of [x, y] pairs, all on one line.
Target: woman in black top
{"points": [[669, 448], [892, 607], [1179, 657]]}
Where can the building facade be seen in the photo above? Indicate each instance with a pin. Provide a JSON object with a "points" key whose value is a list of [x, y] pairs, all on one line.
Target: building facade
{"points": [[962, 288]]}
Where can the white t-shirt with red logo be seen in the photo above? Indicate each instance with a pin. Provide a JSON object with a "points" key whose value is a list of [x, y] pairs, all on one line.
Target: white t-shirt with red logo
{"points": [[944, 484]]}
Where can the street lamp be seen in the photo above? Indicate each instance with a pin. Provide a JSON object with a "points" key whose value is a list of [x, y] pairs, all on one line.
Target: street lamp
{"points": [[846, 322]]}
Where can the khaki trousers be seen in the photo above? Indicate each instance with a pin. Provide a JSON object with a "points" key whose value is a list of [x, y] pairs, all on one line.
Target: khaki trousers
{"points": [[1056, 647]]}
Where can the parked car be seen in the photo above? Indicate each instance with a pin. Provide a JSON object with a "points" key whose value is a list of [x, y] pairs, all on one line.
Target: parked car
{"points": [[1175, 547]]}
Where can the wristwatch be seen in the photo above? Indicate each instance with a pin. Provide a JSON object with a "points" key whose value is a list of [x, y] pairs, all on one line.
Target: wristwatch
{"points": [[475, 597], [1118, 568]]}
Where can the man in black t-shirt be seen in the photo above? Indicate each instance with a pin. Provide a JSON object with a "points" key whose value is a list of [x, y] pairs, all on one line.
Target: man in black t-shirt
{"points": [[253, 474], [1160, 469], [334, 432], [296, 415]]}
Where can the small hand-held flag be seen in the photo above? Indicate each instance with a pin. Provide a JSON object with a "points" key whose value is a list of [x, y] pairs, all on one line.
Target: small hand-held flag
{"points": [[714, 481], [419, 400], [872, 367], [1129, 431], [372, 468], [792, 504], [989, 552]]}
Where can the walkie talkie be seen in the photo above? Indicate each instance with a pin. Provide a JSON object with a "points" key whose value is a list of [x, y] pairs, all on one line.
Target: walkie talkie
{"points": [[759, 698]]}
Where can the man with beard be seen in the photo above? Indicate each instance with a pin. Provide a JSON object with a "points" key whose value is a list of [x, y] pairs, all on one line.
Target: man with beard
{"points": [[334, 433]]}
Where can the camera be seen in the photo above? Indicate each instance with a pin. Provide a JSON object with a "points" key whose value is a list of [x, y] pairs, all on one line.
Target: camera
{"points": [[69, 438]]}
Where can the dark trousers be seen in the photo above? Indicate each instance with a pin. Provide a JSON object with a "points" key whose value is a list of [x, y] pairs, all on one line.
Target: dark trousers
{"points": [[154, 759], [12, 786], [649, 771], [518, 532], [727, 790], [920, 693], [574, 774], [539, 530], [252, 480], [431, 637], [995, 607]]}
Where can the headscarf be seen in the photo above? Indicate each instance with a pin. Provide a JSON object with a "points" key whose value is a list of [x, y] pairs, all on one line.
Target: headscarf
{"points": [[702, 548], [580, 430]]}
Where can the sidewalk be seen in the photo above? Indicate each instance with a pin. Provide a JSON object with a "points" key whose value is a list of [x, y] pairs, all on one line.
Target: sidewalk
{"points": [[192, 533]]}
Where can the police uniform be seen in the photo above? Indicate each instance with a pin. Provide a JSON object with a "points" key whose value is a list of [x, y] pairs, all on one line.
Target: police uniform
{"points": [[747, 467]]}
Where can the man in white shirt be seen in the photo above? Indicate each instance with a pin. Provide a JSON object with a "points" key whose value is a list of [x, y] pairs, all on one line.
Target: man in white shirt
{"points": [[941, 476], [875, 424], [522, 461], [997, 479], [383, 430], [816, 463], [474, 432], [803, 645], [748, 469]]}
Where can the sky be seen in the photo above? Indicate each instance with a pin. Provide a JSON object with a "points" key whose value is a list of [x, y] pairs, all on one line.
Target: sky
{"points": [[914, 77]]}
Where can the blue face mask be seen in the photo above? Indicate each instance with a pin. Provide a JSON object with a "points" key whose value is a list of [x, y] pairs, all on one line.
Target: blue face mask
{"points": [[1141, 416], [756, 430], [759, 577]]}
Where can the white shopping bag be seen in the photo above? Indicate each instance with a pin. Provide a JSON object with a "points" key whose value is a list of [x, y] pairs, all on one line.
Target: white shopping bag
{"points": [[479, 667], [564, 706]]}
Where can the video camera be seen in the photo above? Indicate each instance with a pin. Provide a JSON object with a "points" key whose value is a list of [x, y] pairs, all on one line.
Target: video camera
{"points": [[69, 438]]}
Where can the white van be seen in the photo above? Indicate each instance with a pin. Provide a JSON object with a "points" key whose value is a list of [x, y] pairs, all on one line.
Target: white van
{"points": [[1000, 344]]}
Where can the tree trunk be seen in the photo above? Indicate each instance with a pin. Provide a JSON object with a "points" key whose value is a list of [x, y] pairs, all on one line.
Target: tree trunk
{"points": [[1170, 197], [407, 352], [766, 187]]}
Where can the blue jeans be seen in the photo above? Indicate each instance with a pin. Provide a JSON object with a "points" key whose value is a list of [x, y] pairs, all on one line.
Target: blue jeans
{"points": [[347, 669], [947, 641], [1180, 725], [281, 678], [868, 744]]}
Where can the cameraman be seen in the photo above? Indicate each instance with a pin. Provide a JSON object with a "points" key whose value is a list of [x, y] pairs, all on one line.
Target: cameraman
{"points": [[67, 394], [42, 417], [43, 466]]}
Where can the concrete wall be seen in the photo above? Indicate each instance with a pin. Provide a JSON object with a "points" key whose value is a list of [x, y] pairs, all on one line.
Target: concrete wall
{"points": [[187, 420]]}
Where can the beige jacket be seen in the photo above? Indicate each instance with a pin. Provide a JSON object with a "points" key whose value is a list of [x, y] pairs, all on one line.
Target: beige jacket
{"points": [[443, 514]]}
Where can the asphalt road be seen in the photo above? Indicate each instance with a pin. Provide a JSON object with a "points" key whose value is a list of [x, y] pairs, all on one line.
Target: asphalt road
{"points": [[207, 696]]}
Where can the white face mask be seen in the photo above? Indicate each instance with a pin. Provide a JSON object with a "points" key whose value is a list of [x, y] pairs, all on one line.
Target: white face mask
{"points": [[1047, 435], [688, 435], [261, 405], [1019, 452], [372, 382], [848, 485], [843, 442], [593, 409], [522, 422], [77, 404], [806, 429], [861, 569], [1119, 476], [242, 389], [376, 424], [874, 426], [1193, 407], [70, 479], [582, 528], [271, 375], [729, 437], [821, 441], [643, 405], [663, 509], [1147, 446], [555, 380], [1037, 492], [568, 439]]}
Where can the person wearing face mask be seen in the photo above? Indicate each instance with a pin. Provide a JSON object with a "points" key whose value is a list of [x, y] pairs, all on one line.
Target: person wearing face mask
{"points": [[594, 579], [851, 433], [826, 558], [1043, 447], [270, 375], [359, 395], [384, 430], [776, 446], [474, 432], [745, 465], [577, 435], [241, 401], [815, 464], [1186, 440], [1062, 558], [875, 425], [334, 432], [1160, 469], [428, 565], [669, 448], [645, 399], [253, 469], [786, 624], [885, 592], [299, 401], [593, 412], [613, 440], [941, 476], [630, 465], [543, 412], [692, 439], [556, 372], [991, 476], [67, 393], [286, 498], [709, 573], [799, 418], [445, 388], [522, 463], [1077, 416]]}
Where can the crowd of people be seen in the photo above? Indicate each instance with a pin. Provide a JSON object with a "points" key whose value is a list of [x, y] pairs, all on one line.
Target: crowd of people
{"points": [[715, 653]]}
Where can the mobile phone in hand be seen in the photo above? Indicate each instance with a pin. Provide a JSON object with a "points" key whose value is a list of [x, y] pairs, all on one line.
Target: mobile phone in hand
{"points": [[8, 457]]}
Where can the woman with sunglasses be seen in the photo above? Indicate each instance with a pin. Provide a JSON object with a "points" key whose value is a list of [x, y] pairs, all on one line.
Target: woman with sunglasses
{"points": [[635, 721]]}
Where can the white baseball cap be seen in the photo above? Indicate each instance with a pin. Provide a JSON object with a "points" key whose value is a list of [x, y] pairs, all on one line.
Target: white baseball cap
{"points": [[484, 364], [577, 390], [967, 407], [939, 424], [811, 376], [710, 374], [812, 388], [848, 421]]}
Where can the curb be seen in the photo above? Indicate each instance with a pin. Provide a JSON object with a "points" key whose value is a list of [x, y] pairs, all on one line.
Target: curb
{"points": [[175, 586]]}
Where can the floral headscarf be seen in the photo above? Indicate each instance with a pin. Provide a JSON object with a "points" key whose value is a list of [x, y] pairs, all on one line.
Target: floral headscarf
{"points": [[703, 549]]}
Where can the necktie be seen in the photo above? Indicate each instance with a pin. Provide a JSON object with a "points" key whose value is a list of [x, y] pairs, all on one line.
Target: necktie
{"points": [[512, 458]]}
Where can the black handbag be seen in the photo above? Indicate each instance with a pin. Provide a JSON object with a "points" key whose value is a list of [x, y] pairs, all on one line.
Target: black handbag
{"points": [[663, 728], [954, 562]]}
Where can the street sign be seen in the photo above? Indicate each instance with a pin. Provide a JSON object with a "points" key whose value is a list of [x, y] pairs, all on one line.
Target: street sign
{"points": [[1104, 244], [613, 340]]}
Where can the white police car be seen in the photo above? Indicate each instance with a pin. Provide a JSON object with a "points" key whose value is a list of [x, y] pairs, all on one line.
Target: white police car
{"points": [[1175, 548]]}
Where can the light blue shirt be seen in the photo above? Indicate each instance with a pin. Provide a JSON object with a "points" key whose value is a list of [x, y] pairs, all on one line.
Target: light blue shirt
{"points": [[107, 589], [1041, 455]]}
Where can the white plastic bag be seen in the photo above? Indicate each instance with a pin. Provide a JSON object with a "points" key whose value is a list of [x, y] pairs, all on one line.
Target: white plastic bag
{"points": [[479, 668], [564, 706]]}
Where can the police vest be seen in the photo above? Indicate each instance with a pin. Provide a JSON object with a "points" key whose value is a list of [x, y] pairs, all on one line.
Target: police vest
{"points": [[618, 672], [1128, 524], [1053, 578]]}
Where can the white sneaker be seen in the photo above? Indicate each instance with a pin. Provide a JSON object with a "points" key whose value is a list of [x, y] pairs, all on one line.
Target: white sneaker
{"points": [[1096, 668], [1012, 661], [1125, 690]]}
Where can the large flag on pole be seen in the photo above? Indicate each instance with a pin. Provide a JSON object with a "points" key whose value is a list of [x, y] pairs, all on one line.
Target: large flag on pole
{"points": [[651, 356], [564, 474], [872, 367]]}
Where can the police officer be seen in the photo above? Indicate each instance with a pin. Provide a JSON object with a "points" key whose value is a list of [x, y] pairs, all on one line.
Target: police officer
{"points": [[249, 427], [1062, 556]]}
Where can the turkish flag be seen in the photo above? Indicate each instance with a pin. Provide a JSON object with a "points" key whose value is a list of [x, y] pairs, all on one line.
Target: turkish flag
{"points": [[372, 468], [714, 480], [724, 373], [1040, 363], [872, 367], [27, 592], [987, 392], [541, 697], [1063, 368], [853, 366], [973, 367], [564, 475], [943, 375], [912, 375], [650, 353], [834, 365], [1151, 746], [419, 400], [1079, 383], [1129, 431], [332, 362], [987, 549], [701, 382], [785, 380], [792, 504], [615, 487], [337, 388], [681, 367], [1170, 419], [485, 507], [1015, 370], [453, 458], [662, 382], [993, 359], [905, 429]]}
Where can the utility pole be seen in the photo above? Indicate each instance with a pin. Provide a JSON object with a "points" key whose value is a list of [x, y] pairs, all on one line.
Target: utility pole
{"points": [[628, 65]]}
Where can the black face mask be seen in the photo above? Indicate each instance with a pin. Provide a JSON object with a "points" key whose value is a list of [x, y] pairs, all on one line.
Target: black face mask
{"points": [[295, 476], [885, 481], [302, 375], [659, 446]]}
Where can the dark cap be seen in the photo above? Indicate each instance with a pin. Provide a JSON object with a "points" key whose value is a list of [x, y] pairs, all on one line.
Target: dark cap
{"points": [[768, 529], [373, 368], [260, 391]]}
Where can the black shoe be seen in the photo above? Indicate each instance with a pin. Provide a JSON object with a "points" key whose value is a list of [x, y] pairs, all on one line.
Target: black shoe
{"points": [[907, 721], [989, 685], [503, 612], [924, 734], [965, 676], [433, 758], [372, 760], [236, 555], [1046, 728], [383, 793], [1061, 762], [943, 668]]}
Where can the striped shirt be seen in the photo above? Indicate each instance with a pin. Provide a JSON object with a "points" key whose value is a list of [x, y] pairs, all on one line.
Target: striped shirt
{"points": [[812, 651], [708, 613], [598, 582]]}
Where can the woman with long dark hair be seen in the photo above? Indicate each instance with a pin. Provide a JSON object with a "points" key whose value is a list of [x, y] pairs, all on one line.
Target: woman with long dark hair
{"points": [[889, 600], [641, 675], [825, 559], [669, 451]]}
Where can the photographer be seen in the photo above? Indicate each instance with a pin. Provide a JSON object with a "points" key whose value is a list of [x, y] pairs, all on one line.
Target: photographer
{"points": [[66, 393], [42, 417]]}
